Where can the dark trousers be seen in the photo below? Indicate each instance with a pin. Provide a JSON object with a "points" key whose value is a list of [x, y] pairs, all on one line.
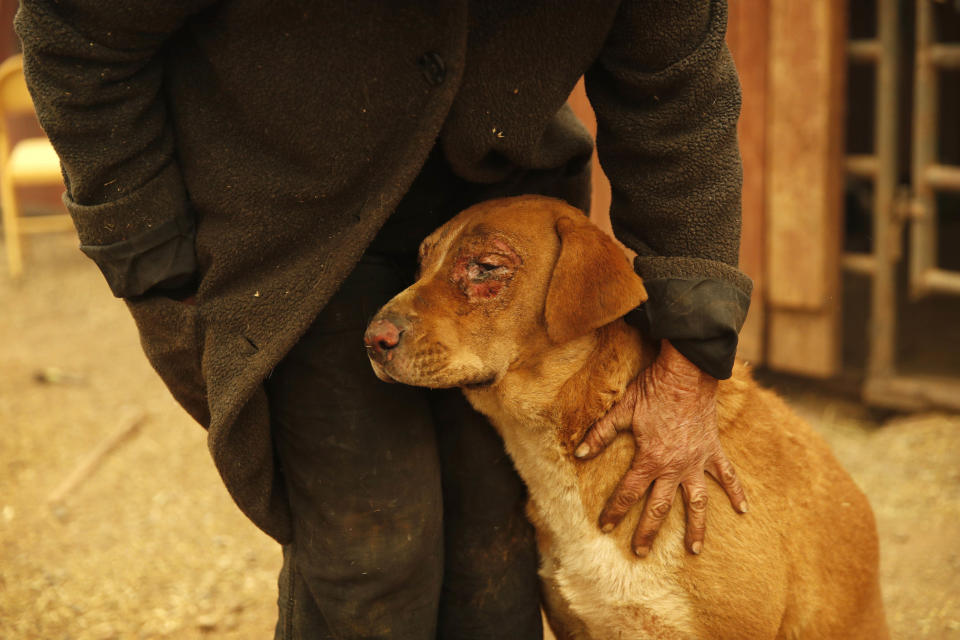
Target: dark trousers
{"points": [[408, 515]]}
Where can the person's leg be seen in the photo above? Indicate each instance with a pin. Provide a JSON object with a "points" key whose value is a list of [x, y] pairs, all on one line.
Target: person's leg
{"points": [[490, 584], [359, 458]]}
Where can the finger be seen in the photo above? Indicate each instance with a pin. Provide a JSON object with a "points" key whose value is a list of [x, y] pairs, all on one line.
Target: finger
{"points": [[605, 430], [601, 434], [631, 488], [695, 501], [654, 513], [724, 473]]}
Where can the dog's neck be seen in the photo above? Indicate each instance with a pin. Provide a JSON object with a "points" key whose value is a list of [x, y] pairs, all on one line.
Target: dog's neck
{"points": [[544, 406], [565, 388], [618, 355]]}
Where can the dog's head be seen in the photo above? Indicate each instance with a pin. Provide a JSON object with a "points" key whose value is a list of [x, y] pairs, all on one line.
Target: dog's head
{"points": [[498, 283]]}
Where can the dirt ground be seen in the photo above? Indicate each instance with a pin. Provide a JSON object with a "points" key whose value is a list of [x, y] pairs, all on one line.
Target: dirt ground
{"points": [[149, 544]]}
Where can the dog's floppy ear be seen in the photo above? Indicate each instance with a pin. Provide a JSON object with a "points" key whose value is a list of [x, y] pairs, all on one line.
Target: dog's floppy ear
{"points": [[592, 283]]}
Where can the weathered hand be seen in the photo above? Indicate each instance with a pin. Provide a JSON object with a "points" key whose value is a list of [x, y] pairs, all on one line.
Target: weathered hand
{"points": [[672, 409]]}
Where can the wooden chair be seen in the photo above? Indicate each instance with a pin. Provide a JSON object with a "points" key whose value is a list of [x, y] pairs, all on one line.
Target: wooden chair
{"points": [[29, 162]]}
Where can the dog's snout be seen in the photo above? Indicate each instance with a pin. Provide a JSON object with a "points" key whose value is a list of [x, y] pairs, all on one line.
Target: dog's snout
{"points": [[381, 336]]}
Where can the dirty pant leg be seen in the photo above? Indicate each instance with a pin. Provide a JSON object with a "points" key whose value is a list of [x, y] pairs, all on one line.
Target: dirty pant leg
{"points": [[490, 584], [360, 460]]}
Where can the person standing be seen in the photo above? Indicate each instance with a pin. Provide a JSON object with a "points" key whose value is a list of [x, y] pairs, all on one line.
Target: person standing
{"points": [[253, 180]]}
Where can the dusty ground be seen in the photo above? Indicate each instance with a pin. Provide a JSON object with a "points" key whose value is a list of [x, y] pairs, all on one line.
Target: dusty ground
{"points": [[150, 545]]}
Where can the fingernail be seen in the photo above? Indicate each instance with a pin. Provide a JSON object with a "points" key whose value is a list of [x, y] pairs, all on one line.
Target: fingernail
{"points": [[641, 551], [743, 507], [607, 528], [582, 450], [696, 547]]}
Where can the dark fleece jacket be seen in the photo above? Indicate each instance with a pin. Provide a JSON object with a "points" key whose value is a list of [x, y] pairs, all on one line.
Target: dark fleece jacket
{"points": [[255, 149]]}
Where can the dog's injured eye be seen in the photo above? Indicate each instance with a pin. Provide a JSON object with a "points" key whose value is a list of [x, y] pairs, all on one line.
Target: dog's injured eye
{"points": [[488, 266], [481, 275]]}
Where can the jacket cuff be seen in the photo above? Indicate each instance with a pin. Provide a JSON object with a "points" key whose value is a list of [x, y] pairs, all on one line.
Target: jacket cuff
{"points": [[163, 254], [700, 309], [141, 239]]}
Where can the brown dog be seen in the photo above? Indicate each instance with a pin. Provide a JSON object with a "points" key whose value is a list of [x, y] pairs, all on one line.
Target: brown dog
{"points": [[518, 302]]}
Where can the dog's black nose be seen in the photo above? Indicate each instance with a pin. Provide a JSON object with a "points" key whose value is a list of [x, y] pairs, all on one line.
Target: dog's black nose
{"points": [[381, 336]]}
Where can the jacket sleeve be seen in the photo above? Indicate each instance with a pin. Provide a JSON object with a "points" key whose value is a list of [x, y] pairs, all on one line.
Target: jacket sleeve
{"points": [[95, 71], [667, 99]]}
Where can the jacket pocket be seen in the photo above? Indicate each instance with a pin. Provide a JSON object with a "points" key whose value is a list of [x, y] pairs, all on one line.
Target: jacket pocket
{"points": [[170, 337]]}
